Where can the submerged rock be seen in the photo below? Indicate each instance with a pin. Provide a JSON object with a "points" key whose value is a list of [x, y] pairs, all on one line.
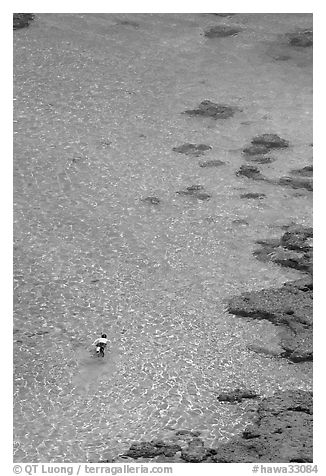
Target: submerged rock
{"points": [[183, 446], [272, 141], [299, 347], [22, 20], [195, 191], [222, 31], [211, 163], [142, 450], [293, 259], [252, 195], [303, 284], [297, 237], [264, 143], [250, 171], [128, 23], [294, 249], [302, 38], [210, 109], [304, 172], [281, 306], [195, 150], [195, 452], [202, 196], [282, 57], [236, 396], [256, 149], [151, 449], [167, 448], [291, 307], [151, 200], [296, 182]]}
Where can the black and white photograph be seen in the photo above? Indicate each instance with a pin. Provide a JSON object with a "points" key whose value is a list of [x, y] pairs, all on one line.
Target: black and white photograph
{"points": [[162, 240]]}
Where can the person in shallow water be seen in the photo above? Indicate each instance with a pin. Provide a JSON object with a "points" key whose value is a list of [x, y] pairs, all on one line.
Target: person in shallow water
{"points": [[101, 343]]}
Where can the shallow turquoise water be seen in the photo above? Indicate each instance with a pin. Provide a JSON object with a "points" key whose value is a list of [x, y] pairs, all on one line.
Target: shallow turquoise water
{"points": [[97, 111]]}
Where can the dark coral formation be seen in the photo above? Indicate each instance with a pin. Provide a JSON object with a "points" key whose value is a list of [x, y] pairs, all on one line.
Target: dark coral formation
{"points": [[272, 141], [151, 200], [210, 109], [150, 449], [195, 451], [304, 172], [22, 20], [303, 38], [193, 150], [250, 171], [252, 195], [195, 191], [297, 237], [256, 149], [296, 182], [300, 178], [236, 396], [294, 249], [264, 143], [128, 23], [221, 31]]}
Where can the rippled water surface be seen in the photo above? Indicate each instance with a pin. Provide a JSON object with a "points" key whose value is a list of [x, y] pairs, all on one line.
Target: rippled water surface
{"points": [[98, 108]]}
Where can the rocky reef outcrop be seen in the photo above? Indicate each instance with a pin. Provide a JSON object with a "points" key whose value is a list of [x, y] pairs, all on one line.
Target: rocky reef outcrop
{"points": [[282, 432], [294, 249], [290, 306]]}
